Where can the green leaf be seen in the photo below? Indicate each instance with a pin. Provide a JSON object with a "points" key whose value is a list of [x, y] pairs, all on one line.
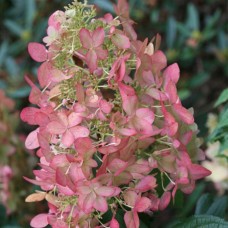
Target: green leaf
{"points": [[192, 199], [120, 218], [105, 5], [184, 94], [222, 98], [201, 221], [3, 51], [183, 30], [171, 32], [22, 92], [12, 68], [222, 40], [223, 119], [213, 19], [218, 207], [30, 13], [193, 17], [13, 27], [203, 204], [198, 79], [2, 215]]}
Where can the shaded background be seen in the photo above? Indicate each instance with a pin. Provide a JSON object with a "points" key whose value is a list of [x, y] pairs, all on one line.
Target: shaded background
{"points": [[194, 34]]}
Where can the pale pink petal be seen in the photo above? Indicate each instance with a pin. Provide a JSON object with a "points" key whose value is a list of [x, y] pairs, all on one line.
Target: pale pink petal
{"points": [[55, 127], [31, 141], [27, 115], [89, 201], [159, 60], [146, 114], [91, 59], [164, 201], [44, 74], [98, 37], [64, 119], [156, 94], [130, 198], [127, 131], [61, 177], [142, 204], [147, 183], [130, 220], [79, 131], [172, 73], [39, 221], [37, 51], [184, 114], [84, 190], [105, 191], [85, 38], [56, 75], [171, 91], [198, 171], [67, 138], [129, 98], [105, 106], [83, 145], [74, 119], [114, 223], [121, 41], [101, 53], [100, 204]]}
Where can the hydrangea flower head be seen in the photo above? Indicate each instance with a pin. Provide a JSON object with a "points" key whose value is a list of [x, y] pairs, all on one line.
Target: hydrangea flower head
{"points": [[109, 122]]}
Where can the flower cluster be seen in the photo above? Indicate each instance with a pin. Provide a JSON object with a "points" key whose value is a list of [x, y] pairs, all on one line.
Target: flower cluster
{"points": [[110, 122]]}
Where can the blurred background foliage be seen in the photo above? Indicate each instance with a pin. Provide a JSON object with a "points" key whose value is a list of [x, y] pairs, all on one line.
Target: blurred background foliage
{"points": [[194, 34]]}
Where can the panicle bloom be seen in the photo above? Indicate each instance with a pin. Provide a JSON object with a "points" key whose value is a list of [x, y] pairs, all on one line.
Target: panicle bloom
{"points": [[109, 122]]}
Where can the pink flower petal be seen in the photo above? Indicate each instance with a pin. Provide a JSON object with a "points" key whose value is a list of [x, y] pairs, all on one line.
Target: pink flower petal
{"points": [[142, 204], [131, 219], [147, 183], [31, 141], [91, 59], [56, 128], [198, 172], [101, 53], [100, 204], [67, 138], [74, 119], [27, 115], [171, 91], [83, 145], [85, 38], [159, 61], [164, 201], [146, 114], [37, 51], [172, 73], [98, 37], [88, 202], [121, 41], [39, 221], [184, 114], [114, 223], [44, 73], [79, 131], [105, 191]]}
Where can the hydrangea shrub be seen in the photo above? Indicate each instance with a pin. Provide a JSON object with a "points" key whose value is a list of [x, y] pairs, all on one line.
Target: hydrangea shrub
{"points": [[110, 122]]}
